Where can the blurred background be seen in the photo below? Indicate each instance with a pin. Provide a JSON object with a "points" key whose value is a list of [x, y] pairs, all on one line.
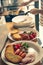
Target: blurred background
{"points": [[8, 5], [13, 6]]}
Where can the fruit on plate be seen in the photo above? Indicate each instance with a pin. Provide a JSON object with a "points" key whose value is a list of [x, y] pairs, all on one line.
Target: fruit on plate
{"points": [[25, 36], [17, 46]]}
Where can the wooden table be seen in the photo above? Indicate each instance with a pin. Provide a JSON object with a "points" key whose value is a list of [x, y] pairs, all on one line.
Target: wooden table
{"points": [[12, 12], [9, 27]]}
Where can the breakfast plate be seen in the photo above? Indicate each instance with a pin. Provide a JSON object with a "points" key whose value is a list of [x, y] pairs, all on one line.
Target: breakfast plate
{"points": [[32, 50], [23, 35]]}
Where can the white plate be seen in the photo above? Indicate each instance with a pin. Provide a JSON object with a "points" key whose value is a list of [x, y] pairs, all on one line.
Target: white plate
{"points": [[18, 19], [22, 19], [38, 51], [11, 38]]}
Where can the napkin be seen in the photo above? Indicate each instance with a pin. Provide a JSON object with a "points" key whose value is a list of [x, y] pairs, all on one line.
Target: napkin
{"points": [[2, 20], [3, 35]]}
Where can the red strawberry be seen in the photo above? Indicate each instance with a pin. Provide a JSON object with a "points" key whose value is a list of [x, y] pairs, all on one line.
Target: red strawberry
{"points": [[24, 36], [31, 36], [17, 46], [28, 37], [34, 35]]}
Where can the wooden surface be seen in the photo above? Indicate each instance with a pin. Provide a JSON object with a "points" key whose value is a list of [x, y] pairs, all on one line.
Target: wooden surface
{"points": [[9, 27], [12, 12]]}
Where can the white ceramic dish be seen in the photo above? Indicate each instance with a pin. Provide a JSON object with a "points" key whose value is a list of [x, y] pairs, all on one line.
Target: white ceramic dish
{"points": [[18, 19], [11, 38], [23, 20], [37, 49]]}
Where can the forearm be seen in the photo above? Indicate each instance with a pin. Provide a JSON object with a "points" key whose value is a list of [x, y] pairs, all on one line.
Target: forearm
{"points": [[36, 11], [41, 11], [26, 3], [31, 1]]}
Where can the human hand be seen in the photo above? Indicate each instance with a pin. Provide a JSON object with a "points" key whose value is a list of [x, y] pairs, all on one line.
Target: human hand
{"points": [[34, 11]]}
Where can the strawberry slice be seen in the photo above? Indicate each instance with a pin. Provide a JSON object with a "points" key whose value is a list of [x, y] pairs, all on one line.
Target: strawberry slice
{"points": [[17, 46], [31, 36], [34, 35], [24, 36]]}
